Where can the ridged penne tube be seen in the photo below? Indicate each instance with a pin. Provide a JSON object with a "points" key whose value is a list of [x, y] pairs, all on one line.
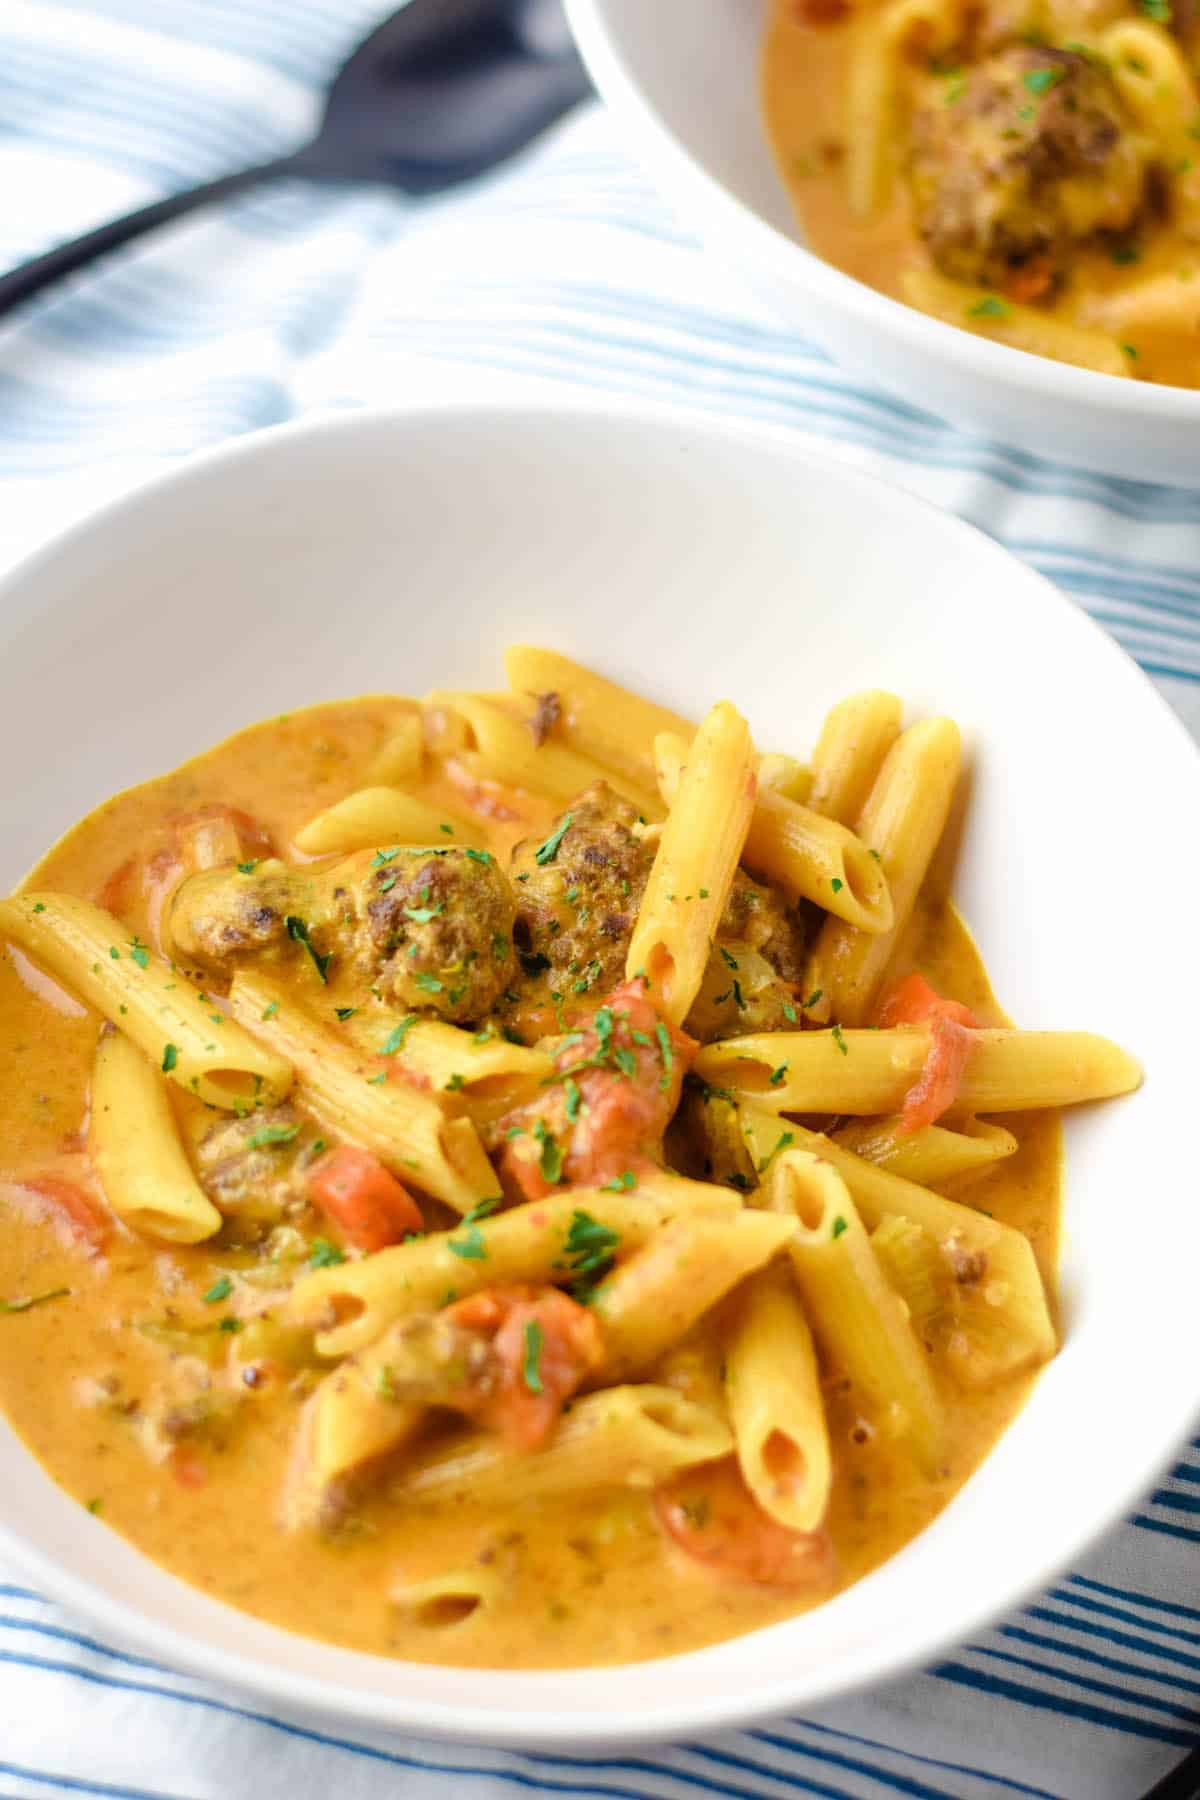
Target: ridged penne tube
{"points": [[1152, 77], [902, 821], [450, 1600], [856, 1314], [376, 816], [809, 857], [1008, 1291], [352, 1304], [406, 1129], [783, 775], [933, 1154], [873, 92], [599, 718], [654, 1297], [856, 736], [146, 1177], [870, 1072], [920, 1274], [483, 1079], [1167, 302], [694, 865], [631, 1436], [1007, 322], [146, 999], [773, 1392], [352, 1422], [402, 753], [509, 753]]}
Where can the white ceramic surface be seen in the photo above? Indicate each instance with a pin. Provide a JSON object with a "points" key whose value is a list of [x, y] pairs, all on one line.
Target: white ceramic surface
{"points": [[683, 77], [403, 551]]}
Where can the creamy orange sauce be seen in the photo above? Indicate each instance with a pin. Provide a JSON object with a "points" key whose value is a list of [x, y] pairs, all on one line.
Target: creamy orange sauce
{"points": [[588, 1581], [805, 76]]}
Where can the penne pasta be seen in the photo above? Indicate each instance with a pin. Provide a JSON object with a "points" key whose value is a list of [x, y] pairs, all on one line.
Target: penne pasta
{"points": [[448, 1601], [856, 1314], [870, 1072], [379, 815], [1020, 327], [147, 1179], [405, 1128], [874, 92], [1153, 79], [902, 822], [656, 1296], [598, 718], [808, 856], [350, 1305], [147, 1000], [478, 1073], [508, 751], [632, 1436], [782, 774], [933, 1155], [695, 863], [401, 756], [855, 737], [775, 1407]]}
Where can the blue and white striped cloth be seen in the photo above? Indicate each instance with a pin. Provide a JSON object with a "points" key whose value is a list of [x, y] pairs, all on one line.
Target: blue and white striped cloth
{"points": [[566, 273]]}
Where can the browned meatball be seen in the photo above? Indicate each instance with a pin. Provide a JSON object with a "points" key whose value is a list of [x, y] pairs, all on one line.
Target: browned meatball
{"points": [[428, 930], [253, 1169], [1021, 160]]}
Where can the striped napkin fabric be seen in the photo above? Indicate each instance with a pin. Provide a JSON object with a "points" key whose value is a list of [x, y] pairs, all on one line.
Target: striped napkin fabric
{"points": [[566, 274]]}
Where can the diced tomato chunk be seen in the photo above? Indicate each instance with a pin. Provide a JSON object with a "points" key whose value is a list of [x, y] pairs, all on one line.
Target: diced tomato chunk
{"points": [[542, 1343], [712, 1516], [619, 1085], [365, 1201], [70, 1202], [188, 1466], [935, 1090]]}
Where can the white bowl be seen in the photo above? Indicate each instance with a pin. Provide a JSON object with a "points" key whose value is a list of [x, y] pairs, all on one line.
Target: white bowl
{"points": [[683, 78], [694, 561]]}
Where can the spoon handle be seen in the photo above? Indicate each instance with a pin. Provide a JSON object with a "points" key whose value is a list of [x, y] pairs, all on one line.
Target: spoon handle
{"points": [[29, 278]]}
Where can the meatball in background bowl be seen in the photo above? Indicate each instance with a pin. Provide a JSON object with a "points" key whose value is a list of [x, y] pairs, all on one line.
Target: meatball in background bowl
{"points": [[685, 80]]}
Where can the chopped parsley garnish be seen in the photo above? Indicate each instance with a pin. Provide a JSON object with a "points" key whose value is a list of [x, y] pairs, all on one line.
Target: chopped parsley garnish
{"points": [[742, 1183], [384, 856], [626, 1061], [448, 829], [574, 1098], [377, 1080], [270, 1011], [325, 1255], [789, 1012], [397, 1035], [298, 931], [1125, 253], [1040, 81], [620, 1184], [39, 906], [1129, 351], [95, 1506], [590, 1249], [729, 961], [229, 1323], [479, 856], [345, 1012], [19, 1306], [455, 1084], [785, 1138], [533, 1356], [470, 1247], [840, 1041], [114, 953], [500, 947], [547, 851], [738, 998], [271, 1134], [248, 868], [482, 1209], [704, 893], [429, 983], [839, 1225], [170, 1057], [385, 1385], [551, 1160], [813, 998], [421, 915], [139, 952], [668, 1058], [220, 1290], [1158, 10], [775, 1078], [991, 306], [837, 884]]}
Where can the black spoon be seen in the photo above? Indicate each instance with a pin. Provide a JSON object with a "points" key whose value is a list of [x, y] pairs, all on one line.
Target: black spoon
{"points": [[440, 92]]}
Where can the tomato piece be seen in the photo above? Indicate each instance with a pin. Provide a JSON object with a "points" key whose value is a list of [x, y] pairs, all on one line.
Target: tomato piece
{"points": [[365, 1201], [188, 1466], [620, 1083], [950, 1023], [116, 895], [710, 1513], [542, 1345], [1033, 282], [71, 1203]]}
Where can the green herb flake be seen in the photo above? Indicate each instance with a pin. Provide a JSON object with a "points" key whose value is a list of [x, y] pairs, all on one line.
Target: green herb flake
{"points": [[39, 906], [385, 1385], [267, 1135], [470, 1247], [377, 1080], [623, 1183], [574, 1098], [428, 983], [840, 1041], [785, 1138], [1123, 254], [839, 1225], [229, 1323], [32, 1300], [248, 868], [170, 1057], [1130, 352], [547, 851], [482, 1209], [729, 961], [590, 1249], [626, 1061], [95, 1506], [789, 1012], [704, 893], [1158, 10], [1040, 81], [297, 930], [668, 1056], [140, 952], [837, 884], [551, 1160], [455, 1084], [325, 1255], [817, 994], [381, 857], [270, 1011], [480, 856], [533, 1356], [220, 1290], [114, 953], [420, 915], [990, 307], [738, 997], [345, 1012], [448, 829], [398, 1033], [775, 1078]]}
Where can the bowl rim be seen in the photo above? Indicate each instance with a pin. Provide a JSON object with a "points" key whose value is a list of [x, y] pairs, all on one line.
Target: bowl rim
{"points": [[1035, 377], [553, 1723]]}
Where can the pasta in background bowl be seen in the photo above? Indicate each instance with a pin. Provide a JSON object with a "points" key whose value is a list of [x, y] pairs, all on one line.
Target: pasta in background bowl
{"points": [[1061, 144], [482, 1086]]}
